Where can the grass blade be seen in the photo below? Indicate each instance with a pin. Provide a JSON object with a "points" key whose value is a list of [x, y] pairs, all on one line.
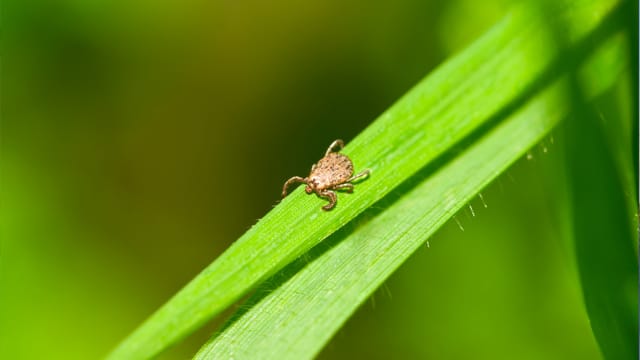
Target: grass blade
{"points": [[604, 211]]}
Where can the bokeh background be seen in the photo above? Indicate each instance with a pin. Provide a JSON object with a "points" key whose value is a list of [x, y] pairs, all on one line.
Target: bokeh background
{"points": [[139, 139]]}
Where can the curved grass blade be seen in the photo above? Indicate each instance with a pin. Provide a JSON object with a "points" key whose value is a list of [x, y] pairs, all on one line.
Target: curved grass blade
{"points": [[604, 220]]}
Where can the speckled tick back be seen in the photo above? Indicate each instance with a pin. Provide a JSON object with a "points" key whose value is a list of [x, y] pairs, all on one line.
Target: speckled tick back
{"points": [[333, 172]]}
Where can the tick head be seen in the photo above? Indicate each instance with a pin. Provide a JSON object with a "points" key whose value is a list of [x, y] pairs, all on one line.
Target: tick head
{"points": [[308, 189]]}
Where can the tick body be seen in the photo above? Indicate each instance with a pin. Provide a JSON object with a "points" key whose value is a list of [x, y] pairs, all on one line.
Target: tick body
{"points": [[333, 172]]}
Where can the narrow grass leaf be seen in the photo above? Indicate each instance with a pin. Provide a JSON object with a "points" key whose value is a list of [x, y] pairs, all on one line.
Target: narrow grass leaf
{"points": [[604, 216]]}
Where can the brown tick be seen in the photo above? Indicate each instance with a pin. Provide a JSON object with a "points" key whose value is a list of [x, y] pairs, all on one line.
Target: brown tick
{"points": [[333, 172]]}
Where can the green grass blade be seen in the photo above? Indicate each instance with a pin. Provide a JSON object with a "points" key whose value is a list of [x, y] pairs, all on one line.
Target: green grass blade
{"points": [[311, 303], [604, 222], [451, 108], [604, 242]]}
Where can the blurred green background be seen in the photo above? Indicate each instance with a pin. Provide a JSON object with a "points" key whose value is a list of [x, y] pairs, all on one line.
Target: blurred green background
{"points": [[140, 139]]}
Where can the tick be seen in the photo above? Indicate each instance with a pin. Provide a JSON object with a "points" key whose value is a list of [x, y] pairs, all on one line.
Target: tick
{"points": [[333, 172]]}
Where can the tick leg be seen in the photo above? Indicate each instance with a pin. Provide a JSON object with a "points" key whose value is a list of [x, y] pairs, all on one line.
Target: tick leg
{"points": [[346, 187], [338, 143], [293, 180], [329, 195], [359, 176]]}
